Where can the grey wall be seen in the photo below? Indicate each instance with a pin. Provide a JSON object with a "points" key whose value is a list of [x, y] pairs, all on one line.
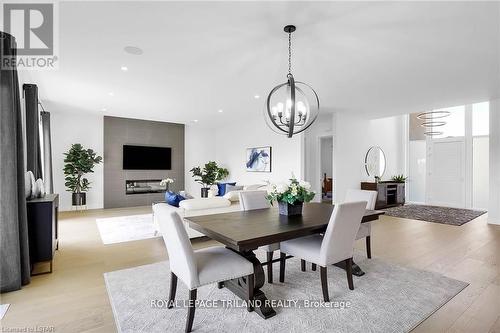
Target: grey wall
{"points": [[123, 131]]}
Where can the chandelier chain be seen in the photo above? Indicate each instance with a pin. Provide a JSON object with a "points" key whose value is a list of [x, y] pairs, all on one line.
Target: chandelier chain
{"points": [[289, 53]]}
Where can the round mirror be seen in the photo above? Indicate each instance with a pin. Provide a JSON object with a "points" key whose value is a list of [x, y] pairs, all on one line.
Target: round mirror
{"points": [[375, 162]]}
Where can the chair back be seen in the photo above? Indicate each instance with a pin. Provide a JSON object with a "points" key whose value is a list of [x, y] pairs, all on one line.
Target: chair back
{"points": [[180, 252], [250, 200], [338, 241], [370, 197]]}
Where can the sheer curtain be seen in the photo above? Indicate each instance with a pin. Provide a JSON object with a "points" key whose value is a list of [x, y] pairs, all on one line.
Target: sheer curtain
{"points": [[14, 248]]}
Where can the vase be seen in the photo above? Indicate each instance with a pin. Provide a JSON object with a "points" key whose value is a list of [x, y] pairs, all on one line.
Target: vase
{"points": [[290, 210], [79, 199], [204, 192]]}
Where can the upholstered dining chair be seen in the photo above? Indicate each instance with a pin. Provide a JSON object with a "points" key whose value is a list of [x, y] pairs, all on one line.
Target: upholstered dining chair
{"points": [[365, 229], [250, 200], [201, 267], [335, 245]]}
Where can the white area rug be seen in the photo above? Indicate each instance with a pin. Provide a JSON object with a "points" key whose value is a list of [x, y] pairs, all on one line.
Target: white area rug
{"points": [[3, 310], [126, 228], [388, 298]]}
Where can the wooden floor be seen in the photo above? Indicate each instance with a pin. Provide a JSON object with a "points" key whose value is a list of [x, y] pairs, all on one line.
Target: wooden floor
{"points": [[73, 298]]}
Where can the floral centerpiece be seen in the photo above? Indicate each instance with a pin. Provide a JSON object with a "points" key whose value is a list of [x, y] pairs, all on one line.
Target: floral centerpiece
{"points": [[290, 196], [166, 182]]}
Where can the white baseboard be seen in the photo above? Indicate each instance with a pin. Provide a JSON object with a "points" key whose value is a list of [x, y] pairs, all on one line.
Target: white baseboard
{"points": [[493, 220]]}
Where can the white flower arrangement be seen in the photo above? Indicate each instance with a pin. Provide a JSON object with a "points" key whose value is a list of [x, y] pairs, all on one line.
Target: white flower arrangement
{"points": [[294, 191], [166, 181]]}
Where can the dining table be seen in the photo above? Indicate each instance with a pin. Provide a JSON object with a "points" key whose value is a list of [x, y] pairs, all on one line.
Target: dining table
{"points": [[245, 231]]}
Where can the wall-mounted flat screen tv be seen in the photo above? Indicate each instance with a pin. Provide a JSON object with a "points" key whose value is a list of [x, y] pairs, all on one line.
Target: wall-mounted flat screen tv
{"points": [[147, 158]]}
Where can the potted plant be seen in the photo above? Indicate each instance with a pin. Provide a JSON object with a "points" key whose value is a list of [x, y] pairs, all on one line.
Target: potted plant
{"points": [[78, 162], [290, 196], [399, 179], [208, 176]]}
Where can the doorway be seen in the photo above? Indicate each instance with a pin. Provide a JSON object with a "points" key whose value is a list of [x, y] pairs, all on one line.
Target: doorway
{"points": [[326, 168]]}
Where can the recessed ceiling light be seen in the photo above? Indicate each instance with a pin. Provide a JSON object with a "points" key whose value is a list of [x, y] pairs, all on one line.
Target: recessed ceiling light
{"points": [[256, 97], [124, 68], [111, 93], [220, 111], [104, 109], [133, 50], [196, 120]]}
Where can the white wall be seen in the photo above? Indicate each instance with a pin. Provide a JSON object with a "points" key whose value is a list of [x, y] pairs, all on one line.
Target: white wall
{"points": [[480, 172], [494, 200], [232, 141], [353, 136], [199, 149], [66, 129]]}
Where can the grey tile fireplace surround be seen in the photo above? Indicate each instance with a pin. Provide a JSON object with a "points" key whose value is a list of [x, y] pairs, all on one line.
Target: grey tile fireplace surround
{"points": [[124, 131]]}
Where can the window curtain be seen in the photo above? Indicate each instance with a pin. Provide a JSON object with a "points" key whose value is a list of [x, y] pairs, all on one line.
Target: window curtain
{"points": [[33, 153], [14, 248], [47, 153]]}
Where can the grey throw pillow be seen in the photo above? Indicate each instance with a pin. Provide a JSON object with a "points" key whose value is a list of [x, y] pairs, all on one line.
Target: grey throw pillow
{"points": [[230, 188]]}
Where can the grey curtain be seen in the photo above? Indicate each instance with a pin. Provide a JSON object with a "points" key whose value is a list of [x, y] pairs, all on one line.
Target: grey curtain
{"points": [[33, 153], [14, 248], [47, 153]]}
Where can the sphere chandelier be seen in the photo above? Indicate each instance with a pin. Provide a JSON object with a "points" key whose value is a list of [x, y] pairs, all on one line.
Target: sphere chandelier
{"points": [[293, 106]]}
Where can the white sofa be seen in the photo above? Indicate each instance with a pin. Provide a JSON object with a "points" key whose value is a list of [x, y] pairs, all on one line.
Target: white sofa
{"points": [[206, 206]]}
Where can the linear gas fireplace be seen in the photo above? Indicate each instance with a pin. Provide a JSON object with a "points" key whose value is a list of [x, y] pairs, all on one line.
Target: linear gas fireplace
{"points": [[143, 186]]}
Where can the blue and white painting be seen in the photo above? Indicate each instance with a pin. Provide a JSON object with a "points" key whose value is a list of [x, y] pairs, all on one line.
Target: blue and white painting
{"points": [[259, 159]]}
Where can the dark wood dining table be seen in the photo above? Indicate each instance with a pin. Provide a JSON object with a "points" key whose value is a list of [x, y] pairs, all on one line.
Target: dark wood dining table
{"points": [[245, 231]]}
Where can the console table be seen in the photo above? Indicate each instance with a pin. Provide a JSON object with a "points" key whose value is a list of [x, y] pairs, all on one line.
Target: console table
{"points": [[42, 229], [390, 194]]}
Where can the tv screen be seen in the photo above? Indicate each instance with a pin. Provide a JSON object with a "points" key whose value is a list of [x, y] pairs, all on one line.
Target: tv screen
{"points": [[147, 158]]}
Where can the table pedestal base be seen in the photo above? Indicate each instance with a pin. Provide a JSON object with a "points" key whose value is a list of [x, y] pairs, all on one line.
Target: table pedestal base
{"points": [[239, 287]]}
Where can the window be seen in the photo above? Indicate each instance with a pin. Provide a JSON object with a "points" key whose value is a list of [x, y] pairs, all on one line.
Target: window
{"points": [[481, 119], [455, 122]]}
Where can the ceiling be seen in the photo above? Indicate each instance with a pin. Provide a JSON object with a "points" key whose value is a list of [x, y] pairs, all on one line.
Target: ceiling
{"points": [[373, 58]]}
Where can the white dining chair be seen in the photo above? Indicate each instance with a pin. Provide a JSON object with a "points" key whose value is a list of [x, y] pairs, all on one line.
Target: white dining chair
{"points": [[365, 229], [334, 246], [250, 200], [201, 267]]}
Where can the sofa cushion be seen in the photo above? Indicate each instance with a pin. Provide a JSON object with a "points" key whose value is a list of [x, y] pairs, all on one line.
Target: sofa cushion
{"points": [[222, 188], [232, 196], [255, 187], [230, 188], [204, 203]]}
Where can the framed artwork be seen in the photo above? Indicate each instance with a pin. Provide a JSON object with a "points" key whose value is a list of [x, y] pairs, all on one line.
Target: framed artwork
{"points": [[259, 159]]}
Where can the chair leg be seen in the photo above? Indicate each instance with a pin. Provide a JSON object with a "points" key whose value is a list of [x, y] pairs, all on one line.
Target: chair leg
{"points": [[324, 283], [270, 267], [250, 286], [302, 265], [191, 309], [173, 289], [313, 267], [220, 284], [282, 266], [368, 247], [348, 266]]}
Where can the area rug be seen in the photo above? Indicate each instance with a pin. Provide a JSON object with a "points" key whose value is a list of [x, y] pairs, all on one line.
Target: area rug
{"points": [[388, 298], [126, 228], [436, 214]]}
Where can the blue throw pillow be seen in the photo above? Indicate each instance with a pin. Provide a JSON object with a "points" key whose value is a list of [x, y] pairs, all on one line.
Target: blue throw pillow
{"points": [[173, 199], [222, 188]]}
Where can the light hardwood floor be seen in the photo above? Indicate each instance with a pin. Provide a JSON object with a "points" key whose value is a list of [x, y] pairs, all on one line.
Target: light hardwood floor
{"points": [[73, 298]]}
